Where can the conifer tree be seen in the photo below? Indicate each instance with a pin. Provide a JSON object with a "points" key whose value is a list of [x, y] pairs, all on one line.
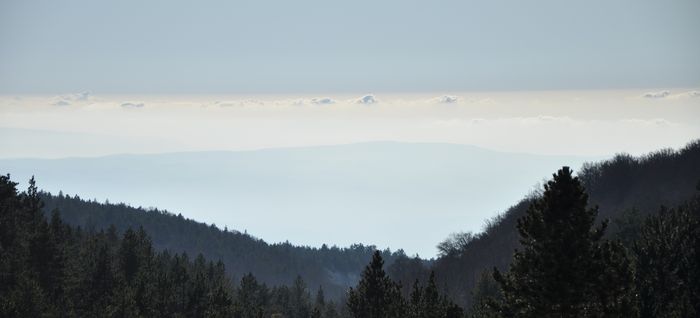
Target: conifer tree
{"points": [[301, 299], [319, 303], [431, 304], [414, 302], [485, 296], [565, 269], [376, 296], [668, 263]]}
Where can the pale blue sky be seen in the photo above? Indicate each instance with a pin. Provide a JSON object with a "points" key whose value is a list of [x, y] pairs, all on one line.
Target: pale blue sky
{"points": [[345, 46]]}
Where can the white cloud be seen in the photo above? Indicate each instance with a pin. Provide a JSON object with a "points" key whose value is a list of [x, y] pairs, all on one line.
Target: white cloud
{"points": [[322, 101], [684, 95], [68, 99], [239, 103], [446, 99], [657, 95], [296, 102], [61, 102], [366, 100], [132, 105], [81, 96]]}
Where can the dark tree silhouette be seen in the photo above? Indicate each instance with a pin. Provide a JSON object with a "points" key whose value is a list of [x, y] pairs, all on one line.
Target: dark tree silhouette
{"points": [[668, 263], [565, 269], [376, 295]]}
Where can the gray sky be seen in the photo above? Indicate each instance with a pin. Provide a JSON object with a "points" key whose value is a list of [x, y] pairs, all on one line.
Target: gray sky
{"points": [[345, 46]]}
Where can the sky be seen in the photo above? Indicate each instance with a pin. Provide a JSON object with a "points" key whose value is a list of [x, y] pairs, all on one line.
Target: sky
{"points": [[306, 46], [85, 78]]}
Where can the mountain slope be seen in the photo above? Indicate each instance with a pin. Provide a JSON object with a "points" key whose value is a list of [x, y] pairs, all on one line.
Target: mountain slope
{"points": [[334, 268], [616, 185]]}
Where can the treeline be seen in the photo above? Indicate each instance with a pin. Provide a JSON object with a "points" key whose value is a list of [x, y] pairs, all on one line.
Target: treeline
{"points": [[627, 190], [51, 269], [566, 267], [333, 268]]}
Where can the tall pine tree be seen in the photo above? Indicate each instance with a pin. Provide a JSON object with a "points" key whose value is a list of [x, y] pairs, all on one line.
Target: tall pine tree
{"points": [[376, 296], [565, 268]]}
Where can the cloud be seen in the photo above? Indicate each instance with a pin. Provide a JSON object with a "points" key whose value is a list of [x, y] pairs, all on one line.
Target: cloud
{"points": [[81, 96], [296, 102], [68, 99], [685, 95], [239, 103], [657, 95], [367, 100], [446, 99], [132, 105], [322, 101], [61, 102]]}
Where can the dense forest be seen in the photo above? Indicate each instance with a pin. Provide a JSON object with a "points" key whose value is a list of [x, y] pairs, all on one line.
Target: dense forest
{"points": [[333, 268], [51, 269], [619, 238]]}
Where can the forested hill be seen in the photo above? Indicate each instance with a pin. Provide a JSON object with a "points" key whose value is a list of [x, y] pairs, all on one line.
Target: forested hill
{"points": [[334, 268], [626, 189]]}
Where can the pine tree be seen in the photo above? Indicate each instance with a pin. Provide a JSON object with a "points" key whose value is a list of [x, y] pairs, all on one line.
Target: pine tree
{"points": [[565, 269], [485, 296], [376, 296], [414, 302], [668, 263], [319, 303], [300, 299], [431, 304], [250, 300]]}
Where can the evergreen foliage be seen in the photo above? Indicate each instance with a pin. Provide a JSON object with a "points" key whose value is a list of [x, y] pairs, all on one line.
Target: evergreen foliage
{"points": [[668, 263], [627, 189], [378, 296], [50, 269], [565, 268], [334, 268]]}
